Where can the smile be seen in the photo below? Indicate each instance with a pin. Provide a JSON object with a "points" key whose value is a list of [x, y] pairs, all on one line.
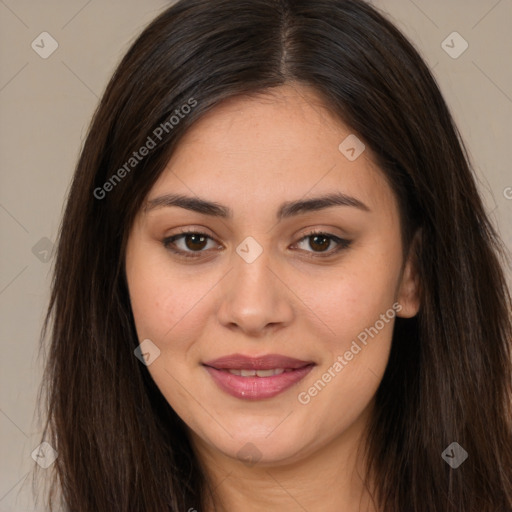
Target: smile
{"points": [[256, 378], [259, 373]]}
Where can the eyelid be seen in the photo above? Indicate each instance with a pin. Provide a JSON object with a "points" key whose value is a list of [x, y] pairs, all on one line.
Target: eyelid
{"points": [[342, 243]]}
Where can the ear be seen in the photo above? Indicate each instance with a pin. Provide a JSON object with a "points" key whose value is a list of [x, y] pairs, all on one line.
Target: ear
{"points": [[408, 295]]}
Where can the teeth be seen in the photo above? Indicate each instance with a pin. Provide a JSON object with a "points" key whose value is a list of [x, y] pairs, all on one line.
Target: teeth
{"points": [[269, 373], [259, 373]]}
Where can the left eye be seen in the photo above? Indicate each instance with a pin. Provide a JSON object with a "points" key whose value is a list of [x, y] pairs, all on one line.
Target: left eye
{"points": [[320, 240], [196, 241]]}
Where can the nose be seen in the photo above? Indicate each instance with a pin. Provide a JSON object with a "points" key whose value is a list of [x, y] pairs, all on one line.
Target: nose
{"points": [[255, 297]]}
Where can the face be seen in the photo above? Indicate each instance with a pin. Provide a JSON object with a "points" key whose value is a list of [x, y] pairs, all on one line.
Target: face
{"points": [[306, 294]]}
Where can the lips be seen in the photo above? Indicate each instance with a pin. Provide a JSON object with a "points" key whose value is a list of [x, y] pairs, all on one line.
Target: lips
{"points": [[268, 362], [256, 378]]}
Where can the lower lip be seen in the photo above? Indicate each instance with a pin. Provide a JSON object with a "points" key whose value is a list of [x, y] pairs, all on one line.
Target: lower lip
{"points": [[256, 388]]}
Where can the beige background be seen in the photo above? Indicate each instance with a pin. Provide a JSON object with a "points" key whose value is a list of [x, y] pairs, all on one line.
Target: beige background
{"points": [[46, 105]]}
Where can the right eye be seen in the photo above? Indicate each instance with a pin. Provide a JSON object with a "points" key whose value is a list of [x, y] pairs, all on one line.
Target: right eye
{"points": [[194, 243]]}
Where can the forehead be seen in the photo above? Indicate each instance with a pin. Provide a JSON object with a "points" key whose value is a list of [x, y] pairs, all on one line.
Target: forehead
{"points": [[284, 142], [270, 122]]}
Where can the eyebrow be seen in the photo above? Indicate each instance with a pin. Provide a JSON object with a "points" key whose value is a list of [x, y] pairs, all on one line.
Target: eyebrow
{"points": [[286, 210]]}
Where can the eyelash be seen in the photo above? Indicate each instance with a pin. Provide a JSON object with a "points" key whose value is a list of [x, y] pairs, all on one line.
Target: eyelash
{"points": [[342, 244]]}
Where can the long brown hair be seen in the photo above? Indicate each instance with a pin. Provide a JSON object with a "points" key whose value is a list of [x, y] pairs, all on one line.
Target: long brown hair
{"points": [[449, 379]]}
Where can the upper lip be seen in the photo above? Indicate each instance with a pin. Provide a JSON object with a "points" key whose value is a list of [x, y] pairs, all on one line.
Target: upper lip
{"points": [[266, 362]]}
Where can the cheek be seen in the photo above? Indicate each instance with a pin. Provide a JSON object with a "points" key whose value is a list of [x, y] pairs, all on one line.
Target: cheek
{"points": [[168, 309], [169, 306], [352, 301], [161, 311], [356, 316], [355, 353]]}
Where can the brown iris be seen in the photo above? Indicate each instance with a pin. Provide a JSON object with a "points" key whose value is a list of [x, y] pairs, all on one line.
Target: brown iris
{"points": [[198, 241], [315, 238]]}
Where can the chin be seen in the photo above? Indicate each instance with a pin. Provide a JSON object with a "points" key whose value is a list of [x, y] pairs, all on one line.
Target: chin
{"points": [[276, 450]]}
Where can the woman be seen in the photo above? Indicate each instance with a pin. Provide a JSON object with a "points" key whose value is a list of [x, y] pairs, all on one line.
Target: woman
{"points": [[276, 286]]}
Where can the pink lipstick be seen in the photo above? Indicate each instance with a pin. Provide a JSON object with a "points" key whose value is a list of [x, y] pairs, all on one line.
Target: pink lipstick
{"points": [[257, 378]]}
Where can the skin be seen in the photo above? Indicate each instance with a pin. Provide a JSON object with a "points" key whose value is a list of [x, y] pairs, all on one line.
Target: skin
{"points": [[251, 154]]}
